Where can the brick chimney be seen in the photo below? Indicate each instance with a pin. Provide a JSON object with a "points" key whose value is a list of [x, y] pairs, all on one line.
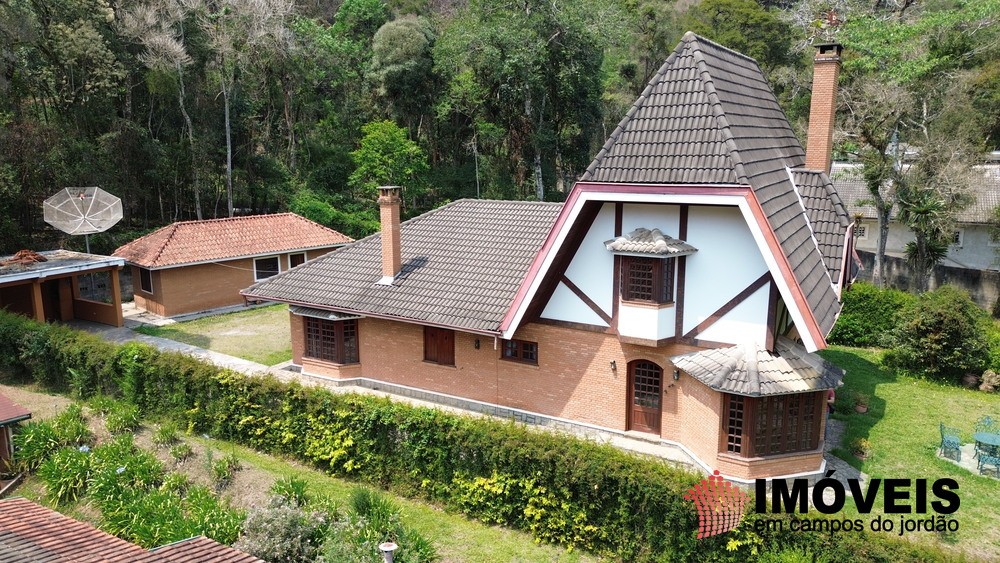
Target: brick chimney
{"points": [[823, 108], [388, 203]]}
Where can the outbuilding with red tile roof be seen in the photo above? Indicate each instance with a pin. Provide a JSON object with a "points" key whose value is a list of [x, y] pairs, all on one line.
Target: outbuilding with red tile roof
{"points": [[10, 414], [193, 266]]}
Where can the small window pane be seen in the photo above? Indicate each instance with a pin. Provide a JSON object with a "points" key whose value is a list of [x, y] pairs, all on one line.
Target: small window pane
{"points": [[145, 280], [265, 267]]}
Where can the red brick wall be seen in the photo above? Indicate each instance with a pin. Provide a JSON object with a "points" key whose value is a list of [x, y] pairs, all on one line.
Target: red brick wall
{"points": [[573, 380]]}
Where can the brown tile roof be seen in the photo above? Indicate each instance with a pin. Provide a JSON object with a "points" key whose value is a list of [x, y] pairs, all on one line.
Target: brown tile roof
{"points": [[200, 550], [31, 533], [752, 371], [650, 242], [828, 217], [985, 190], [709, 117], [462, 265], [188, 242], [11, 411]]}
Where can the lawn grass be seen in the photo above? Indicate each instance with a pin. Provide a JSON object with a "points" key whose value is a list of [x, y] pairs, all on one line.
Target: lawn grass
{"points": [[260, 335], [902, 424]]}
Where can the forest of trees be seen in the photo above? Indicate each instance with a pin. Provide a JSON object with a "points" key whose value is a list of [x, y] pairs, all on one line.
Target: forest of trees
{"points": [[207, 108]]}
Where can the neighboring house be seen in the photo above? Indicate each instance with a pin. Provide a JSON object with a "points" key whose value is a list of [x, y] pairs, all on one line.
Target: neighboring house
{"points": [[61, 285], [10, 414], [971, 246], [30, 532], [193, 266], [972, 259], [677, 295]]}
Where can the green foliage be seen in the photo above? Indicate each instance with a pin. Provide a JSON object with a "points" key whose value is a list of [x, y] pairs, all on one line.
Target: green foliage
{"points": [[283, 533], [65, 473], [387, 157], [123, 417], [562, 489], [165, 434], [311, 206], [292, 490], [181, 452], [71, 427], [372, 520], [868, 317], [34, 443], [942, 334], [743, 25]]}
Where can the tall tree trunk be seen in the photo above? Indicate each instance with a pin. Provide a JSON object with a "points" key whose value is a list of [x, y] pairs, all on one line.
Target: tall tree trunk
{"points": [[229, 149], [190, 133], [882, 211], [289, 123]]}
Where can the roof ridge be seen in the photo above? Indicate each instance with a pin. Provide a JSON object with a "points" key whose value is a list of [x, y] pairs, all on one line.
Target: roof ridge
{"points": [[692, 37], [720, 114], [163, 247], [620, 128]]}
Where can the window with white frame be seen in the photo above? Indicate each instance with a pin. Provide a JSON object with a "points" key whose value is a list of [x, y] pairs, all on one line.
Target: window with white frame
{"points": [[264, 268], [296, 259], [145, 280]]}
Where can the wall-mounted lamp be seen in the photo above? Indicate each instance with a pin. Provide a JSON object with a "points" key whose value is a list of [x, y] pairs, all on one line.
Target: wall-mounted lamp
{"points": [[477, 344], [677, 375], [614, 366]]}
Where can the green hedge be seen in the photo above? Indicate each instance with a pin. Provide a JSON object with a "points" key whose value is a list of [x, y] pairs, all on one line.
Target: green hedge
{"points": [[564, 490], [868, 317]]}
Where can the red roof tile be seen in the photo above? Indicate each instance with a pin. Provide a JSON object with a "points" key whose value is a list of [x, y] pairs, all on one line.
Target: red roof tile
{"points": [[189, 242], [31, 533], [11, 411]]}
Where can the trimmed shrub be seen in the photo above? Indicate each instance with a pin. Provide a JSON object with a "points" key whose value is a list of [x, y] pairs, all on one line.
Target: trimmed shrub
{"points": [[868, 317], [941, 335]]}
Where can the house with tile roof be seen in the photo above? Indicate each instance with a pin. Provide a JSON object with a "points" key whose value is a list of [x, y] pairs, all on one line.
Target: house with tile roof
{"points": [[32, 533], [972, 258], [193, 266], [677, 296]]}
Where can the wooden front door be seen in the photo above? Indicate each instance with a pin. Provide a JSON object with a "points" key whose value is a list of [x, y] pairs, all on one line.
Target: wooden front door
{"points": [[645, 383]]}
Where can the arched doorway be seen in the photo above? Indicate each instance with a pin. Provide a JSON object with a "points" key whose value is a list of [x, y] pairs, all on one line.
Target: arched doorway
{"points": [[645, 384]]}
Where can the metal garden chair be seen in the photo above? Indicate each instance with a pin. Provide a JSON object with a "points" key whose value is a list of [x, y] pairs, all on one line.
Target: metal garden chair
{"points": [[988, 425], [950, 442]]}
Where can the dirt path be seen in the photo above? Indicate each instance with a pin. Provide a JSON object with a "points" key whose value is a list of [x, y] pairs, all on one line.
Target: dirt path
{"points": [[41, 405]]}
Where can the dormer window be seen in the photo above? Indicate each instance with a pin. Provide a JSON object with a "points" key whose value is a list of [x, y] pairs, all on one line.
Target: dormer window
{"points": [[649, 263], [650, 280]]}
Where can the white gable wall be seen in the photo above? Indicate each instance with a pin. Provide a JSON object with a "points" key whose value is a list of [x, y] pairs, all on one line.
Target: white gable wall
{"points": [[582, 270], [727, 262]]}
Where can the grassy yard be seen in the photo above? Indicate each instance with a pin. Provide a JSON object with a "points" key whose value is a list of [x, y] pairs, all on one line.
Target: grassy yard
{"points": [[260, 335], [902, 424]]}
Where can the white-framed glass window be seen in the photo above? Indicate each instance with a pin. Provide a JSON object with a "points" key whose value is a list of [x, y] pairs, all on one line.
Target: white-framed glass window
{"points": [[145, 280], [861, 231], [956, 237], [264, 268], [296, 259]]}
